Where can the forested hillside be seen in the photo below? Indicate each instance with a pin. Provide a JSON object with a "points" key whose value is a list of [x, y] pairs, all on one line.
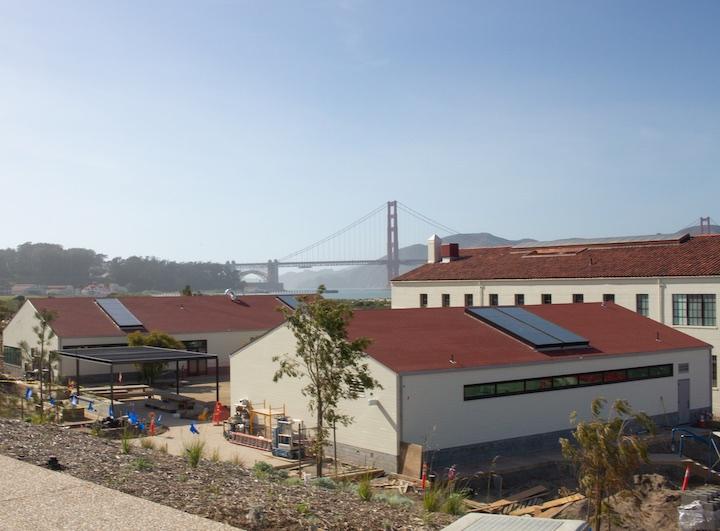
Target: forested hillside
{"points": [[51, 264]]}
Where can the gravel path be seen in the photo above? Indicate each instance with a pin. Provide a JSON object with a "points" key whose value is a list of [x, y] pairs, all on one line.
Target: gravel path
{"points": [[220, 491]]}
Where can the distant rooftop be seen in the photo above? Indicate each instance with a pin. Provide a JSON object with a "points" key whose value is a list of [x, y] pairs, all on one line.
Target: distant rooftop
{"points": [[677, 255], [614, 240]]}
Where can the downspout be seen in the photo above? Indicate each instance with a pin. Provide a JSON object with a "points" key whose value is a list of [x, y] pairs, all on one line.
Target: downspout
{"points": [[482, 295], [661, 300], [398, 417]]}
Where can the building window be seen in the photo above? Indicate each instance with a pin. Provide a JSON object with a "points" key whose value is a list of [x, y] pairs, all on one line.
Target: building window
{"points": [[423, 300], [608, 297], [445, 300], [12, 356], [468, 299], [546, 298], [519, 299], [693, 310], [714, 371], [642, 304], [567, 381], [683, 368], [578, 298], [493, 299]]}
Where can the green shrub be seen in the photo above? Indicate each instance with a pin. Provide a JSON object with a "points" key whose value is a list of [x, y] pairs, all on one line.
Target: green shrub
{"points": [[291, 482], [125, 445], [194, 452], [433, 498], [263, 470], [142, 464], [364, 489], [455, 503], [395, 499], [303, 508], [325, 483], [146, 443]]}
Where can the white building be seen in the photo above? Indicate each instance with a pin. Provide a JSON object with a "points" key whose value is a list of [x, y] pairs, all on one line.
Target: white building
{"points": [[459, 390], [674, 279], [213, 324]]}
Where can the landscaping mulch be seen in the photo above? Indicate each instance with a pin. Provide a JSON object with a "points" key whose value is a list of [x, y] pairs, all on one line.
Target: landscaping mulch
{"points": [[220, 491]]}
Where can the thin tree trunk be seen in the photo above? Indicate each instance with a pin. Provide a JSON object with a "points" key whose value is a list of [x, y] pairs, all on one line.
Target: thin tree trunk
{"points": [[320, 440]]}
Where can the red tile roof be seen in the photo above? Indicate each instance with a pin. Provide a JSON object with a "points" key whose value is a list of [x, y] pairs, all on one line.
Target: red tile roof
{"points": [[82, 317], [424, 339], [696, 256]]}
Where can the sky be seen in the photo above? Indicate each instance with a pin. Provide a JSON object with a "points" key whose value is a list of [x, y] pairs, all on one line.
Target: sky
{"points": [[234, 130]]}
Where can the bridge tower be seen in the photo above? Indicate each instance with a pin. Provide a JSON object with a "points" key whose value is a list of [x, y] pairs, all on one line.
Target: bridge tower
{"points": [[393, 246]]}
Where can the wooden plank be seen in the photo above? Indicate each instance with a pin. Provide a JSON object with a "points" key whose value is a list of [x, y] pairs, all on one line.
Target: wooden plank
{"points": [[518, 497], [561, 501], [553, 511], [526, 510]]}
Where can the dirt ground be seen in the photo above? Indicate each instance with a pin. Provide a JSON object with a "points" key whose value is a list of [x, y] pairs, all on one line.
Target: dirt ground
{"points": [[652, 507]]}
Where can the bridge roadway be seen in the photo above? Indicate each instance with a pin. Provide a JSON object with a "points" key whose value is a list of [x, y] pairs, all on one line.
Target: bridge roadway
{"points": [[306, 264]]}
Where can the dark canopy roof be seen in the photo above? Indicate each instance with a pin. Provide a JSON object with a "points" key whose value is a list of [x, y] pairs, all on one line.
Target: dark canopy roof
{"points": [[127, 355]]}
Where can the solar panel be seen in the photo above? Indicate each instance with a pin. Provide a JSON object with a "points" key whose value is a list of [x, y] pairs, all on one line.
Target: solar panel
{"points": [[528, 327], [117, 311], [550, 328], [512, 326], [289, 300]]}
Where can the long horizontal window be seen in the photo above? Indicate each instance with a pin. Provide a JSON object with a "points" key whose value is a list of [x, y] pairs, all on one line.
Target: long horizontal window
{"points": [[565, 381]]}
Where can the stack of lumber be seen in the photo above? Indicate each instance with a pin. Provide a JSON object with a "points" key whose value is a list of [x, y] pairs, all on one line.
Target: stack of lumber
{"points": [[549, 509], [510, 503], [526, 503]]}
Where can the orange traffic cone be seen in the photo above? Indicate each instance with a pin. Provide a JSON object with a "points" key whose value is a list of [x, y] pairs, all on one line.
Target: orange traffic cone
{"points": [[217, 414]]}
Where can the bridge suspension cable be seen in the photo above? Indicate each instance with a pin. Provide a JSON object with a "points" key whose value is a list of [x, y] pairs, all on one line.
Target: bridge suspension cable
{"points": [[422, 217], [334, 235]]}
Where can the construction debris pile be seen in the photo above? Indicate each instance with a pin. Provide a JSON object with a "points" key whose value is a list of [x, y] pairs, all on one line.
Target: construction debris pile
{"points": [[528, 503]]}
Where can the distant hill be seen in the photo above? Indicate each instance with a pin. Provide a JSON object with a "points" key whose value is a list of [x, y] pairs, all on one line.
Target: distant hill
{"points": [[368, 277]]}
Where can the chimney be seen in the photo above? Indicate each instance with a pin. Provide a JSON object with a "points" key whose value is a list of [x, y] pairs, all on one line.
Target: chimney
{"points": [[449, 252], [434, 243]]}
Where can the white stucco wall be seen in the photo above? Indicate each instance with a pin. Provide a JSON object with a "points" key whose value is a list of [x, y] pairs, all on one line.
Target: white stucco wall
{"points": [[20, 328], [435, 415], [251, 376], [659, 290]]}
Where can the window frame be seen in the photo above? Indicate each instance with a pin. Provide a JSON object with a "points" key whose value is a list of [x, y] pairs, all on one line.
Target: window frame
{"points": [[519, 299], [423, 300], [578, 298], [694, 309], [469, 300], [546, 298], [445, 300], [642, 304], [606, 377], [493, 299]]}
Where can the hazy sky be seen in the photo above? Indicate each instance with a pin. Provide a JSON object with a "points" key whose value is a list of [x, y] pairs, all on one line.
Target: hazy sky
{"points": [[245, 130]]}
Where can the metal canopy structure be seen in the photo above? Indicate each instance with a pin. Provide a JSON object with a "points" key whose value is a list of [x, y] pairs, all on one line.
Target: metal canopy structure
{"points": [[113, 356]]}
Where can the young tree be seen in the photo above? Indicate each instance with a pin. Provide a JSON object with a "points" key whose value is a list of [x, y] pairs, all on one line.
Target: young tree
{"points": [[606, 454], [330, 363], [152, 370], [44, 333], [186, 291]]}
